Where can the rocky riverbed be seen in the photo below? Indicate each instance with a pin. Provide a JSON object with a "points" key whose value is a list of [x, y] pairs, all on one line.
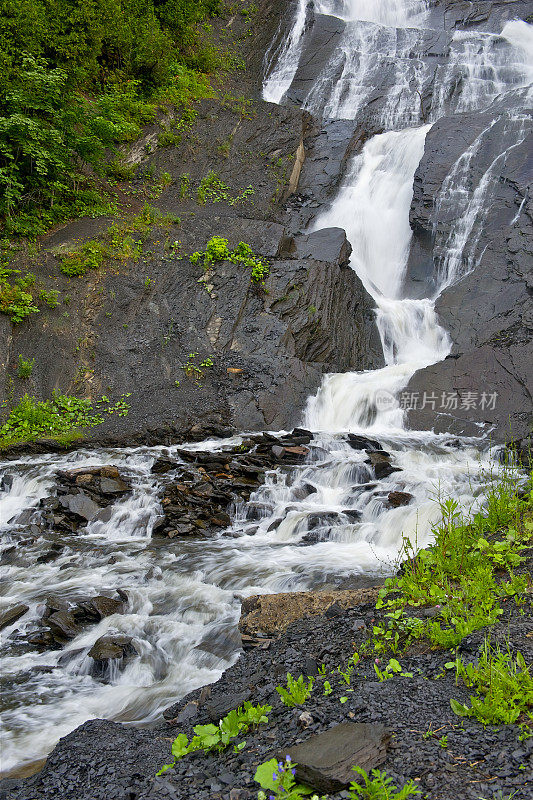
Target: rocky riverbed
{"points": [[447, 756]]}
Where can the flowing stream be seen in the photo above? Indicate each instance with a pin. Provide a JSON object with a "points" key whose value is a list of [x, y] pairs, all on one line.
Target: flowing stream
{"points": [[183, 596]]}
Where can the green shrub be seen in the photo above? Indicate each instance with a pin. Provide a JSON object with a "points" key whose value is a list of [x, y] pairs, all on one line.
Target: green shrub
{"points": [[15, 301], [50, 297], [89, 256], [78, 78], [25, 367], [217, 249]]}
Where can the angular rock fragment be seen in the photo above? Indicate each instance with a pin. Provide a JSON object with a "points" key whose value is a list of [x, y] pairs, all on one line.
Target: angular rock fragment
{"points": [[325, 761], [12, 614], [397, 499]]}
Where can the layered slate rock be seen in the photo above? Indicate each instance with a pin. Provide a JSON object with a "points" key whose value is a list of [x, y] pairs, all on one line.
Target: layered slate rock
{"points": [[201, 492], [269, 345], [12, 614], [489, 311], [325, 761], [84, 495]]}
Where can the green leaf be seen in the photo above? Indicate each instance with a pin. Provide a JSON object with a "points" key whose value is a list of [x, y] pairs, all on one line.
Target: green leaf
{"points": [[180, 746], [264, 772], [164, 769], [459, 709]]}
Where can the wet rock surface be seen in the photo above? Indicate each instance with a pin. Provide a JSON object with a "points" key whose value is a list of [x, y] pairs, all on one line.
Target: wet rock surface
{"points": [[485, 384], [83, 495], [107, 761], [62, 619], [12, 614], [202, 491]]}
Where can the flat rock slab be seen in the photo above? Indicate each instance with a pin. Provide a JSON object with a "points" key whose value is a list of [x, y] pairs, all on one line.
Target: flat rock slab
{"points": [[12, 614], [272, 613], [325, 761]]}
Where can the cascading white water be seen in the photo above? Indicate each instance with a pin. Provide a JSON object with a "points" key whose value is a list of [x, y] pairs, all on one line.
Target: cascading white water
{"points": [[455, 255], [286, 58], [326, 520]]}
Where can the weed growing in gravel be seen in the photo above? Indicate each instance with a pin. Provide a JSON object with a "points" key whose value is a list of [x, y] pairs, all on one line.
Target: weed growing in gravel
{"points": [[504, 684], [196, 371], [277, 777], [380, 787], [297, 691], [217, 737], [217, 249], [25, 367], [393, 668]]}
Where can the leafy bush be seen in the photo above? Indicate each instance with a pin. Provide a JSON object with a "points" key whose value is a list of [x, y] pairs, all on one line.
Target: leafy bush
{"points": [[50, 297], [76, 79], [15, 301], [89, 256], [25, 367], [217, 249]]}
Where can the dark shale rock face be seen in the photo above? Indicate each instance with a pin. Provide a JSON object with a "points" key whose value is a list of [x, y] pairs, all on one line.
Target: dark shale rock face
{"points": [[488, 312], [269, 345]]}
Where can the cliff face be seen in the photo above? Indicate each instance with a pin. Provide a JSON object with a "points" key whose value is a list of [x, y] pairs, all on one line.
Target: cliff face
{"points": [[131, 325], [489, 311]]}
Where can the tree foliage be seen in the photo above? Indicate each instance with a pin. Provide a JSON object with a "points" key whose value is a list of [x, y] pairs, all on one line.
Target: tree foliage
{"points": [[77, 76]]}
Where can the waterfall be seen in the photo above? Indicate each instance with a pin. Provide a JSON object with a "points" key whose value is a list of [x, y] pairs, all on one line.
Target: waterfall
{"points": [[328, 519], [285, 58]]}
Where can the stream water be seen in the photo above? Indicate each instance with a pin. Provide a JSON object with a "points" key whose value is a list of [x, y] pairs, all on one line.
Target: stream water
{"points": [[184, 594]]}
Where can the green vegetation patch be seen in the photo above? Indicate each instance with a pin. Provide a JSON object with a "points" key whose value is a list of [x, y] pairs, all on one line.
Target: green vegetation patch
{"points": [[217, 250], [122, 241], [76, 80], [61, 415]]}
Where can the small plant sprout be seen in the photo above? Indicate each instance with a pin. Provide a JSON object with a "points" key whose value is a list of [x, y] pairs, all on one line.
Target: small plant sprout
{"points": [[379, 786], [217, 250], [297, 691], [197, 371]]}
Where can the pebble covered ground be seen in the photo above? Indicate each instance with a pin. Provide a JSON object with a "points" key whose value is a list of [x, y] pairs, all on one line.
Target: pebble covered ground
{"points": [[447, 756]]}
